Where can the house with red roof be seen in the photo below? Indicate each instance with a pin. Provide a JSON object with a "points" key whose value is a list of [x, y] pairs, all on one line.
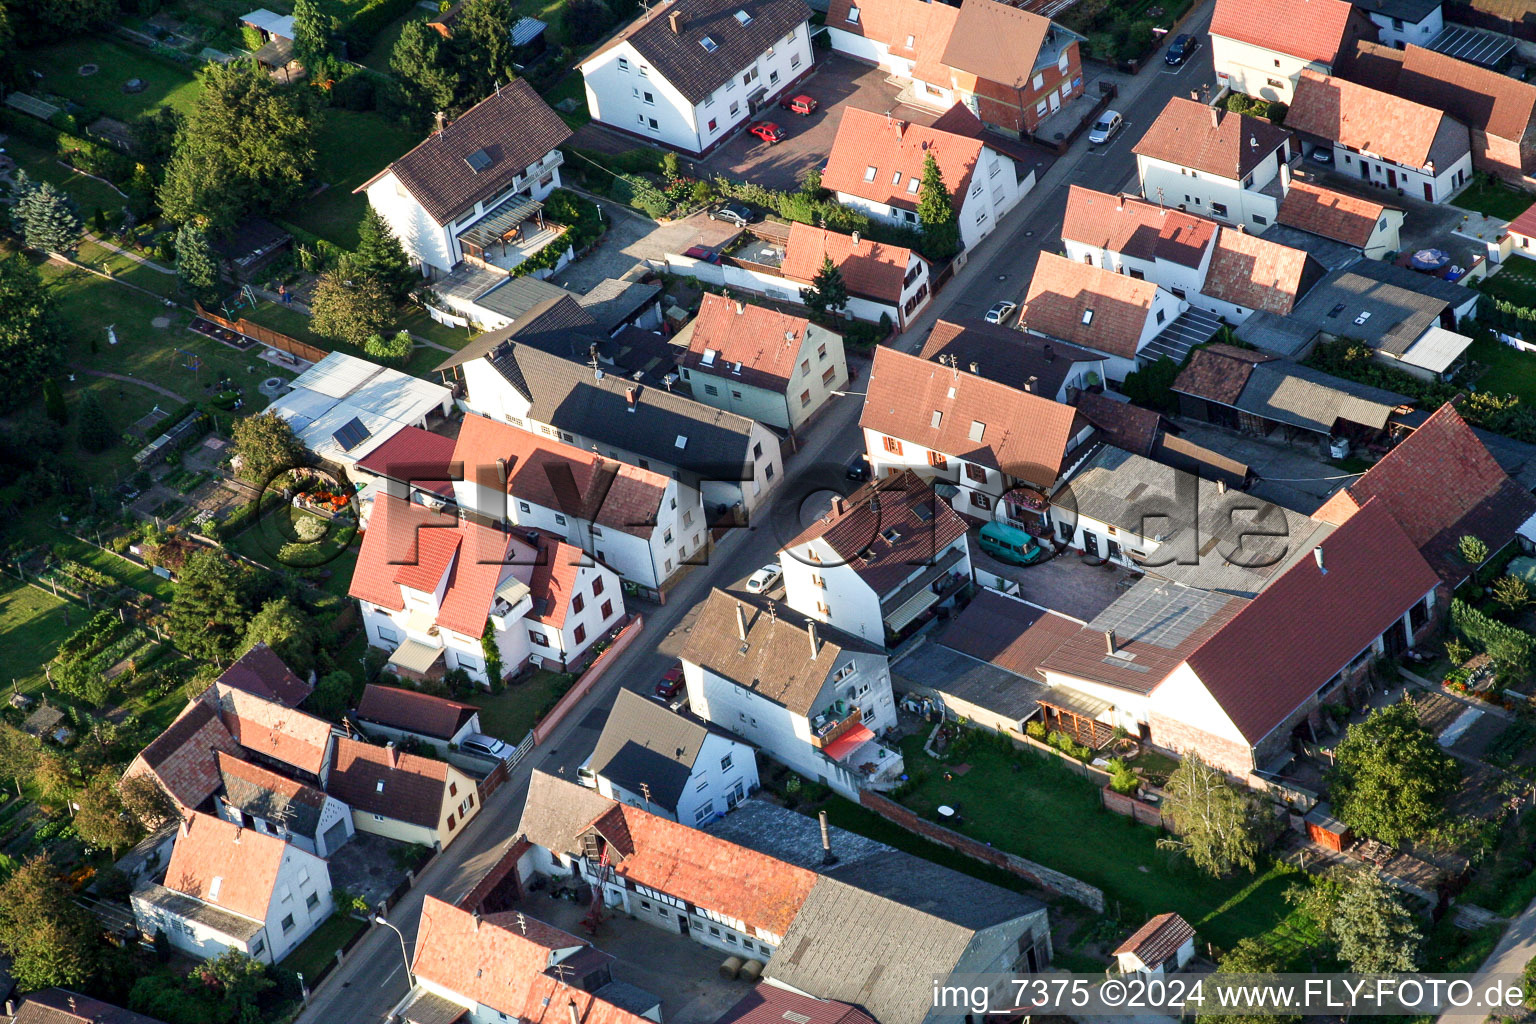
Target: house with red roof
{"points": [[398, 713], [1116, 315], [760, 363], [882, 280], [261, 672], [431, 584], [1260, 47], [1441, 484], [228, 887], [876, 166], [982, 437]]}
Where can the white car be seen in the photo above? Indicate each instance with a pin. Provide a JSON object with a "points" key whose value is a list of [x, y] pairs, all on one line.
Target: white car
{"points": [[765, 579], [1105, 128], [1000, 312]]}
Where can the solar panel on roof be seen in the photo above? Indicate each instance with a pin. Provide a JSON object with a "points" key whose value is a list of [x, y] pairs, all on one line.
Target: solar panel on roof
{"points": [[352, 434], [478, 161]]}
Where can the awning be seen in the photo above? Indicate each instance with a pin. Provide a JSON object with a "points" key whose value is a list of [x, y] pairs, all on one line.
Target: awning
{"points": [[488, 230], [415, 656], [428, 1008], [908, 612], [848, 742], [1077, 702]]}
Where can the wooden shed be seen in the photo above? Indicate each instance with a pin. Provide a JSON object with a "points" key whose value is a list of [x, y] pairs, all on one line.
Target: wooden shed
{"points": [[1327, 831]]}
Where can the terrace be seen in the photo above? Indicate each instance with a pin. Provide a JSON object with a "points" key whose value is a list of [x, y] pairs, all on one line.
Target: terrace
{"points": [[511, 233]]}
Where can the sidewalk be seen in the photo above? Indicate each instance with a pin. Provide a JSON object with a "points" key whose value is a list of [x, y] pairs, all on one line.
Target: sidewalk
{"points": [[1509, 958]]}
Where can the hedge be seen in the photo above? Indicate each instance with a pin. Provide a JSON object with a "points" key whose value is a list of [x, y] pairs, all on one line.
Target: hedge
{"points": [[372, 18], [813, 209], [1489, 634]]}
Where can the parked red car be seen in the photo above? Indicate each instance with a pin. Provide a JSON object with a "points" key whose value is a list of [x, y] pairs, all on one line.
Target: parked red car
{"points": [[671, 683], [767, 131], [803, 105]]}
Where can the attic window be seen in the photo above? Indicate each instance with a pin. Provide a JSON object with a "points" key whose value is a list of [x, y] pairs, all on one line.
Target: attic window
{"points": [[937, 418], [1363, 317], [1087, 317], [378, 787], [912, 184], [743, 18], [709, 357], [853, 15], [710, 46], [911, 41], [869, 173], [891, 536], [1336, 310], [977, 429], [214, 886], [896, 179], [682, 442], [478, 161]]}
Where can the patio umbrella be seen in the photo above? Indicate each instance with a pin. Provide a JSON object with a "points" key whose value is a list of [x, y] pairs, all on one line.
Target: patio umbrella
{"points": [[1430, 259]]}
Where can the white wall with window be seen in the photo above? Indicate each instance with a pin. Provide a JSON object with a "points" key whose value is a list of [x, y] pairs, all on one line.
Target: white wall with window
{"points": [[724, 773], [1248, 201], [995, 188]]}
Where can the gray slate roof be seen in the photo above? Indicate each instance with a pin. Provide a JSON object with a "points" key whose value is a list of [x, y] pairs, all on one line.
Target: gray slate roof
{"points": [[1411, 11], [981, 683], [554, 814], [1332, 255], [645, 742], [682, 58], [1214, 539], [614, 300], [1402, 306], [300, 816]]}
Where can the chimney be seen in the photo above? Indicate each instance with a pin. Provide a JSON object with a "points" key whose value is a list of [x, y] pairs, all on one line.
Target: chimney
{"points": [[901, 128], [675, 19], [741, 307], [1031, 384], [855, 239], [1120, 202], [1317, 556], [570, 1009], [632, 397], [828, 858], [394, 755], [741, 622], [1109, 641], [1221, 486], [1050, 354], [441, 121], [501, 470], [10, 1007], [186, 827], [838, 506], [476, 915], [238, 829], [1215, 118], [810, 631], [974, 367]]}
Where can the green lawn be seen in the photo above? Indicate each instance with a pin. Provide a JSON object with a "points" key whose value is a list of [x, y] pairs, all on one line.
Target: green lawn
{"points": [[1495, 199], [1508, 369], [353, 147], [128, 573], [509, 714], [1042, 811], [41, 164], [571, 87], [166, 84], [32, 625], [384, 42], [311, 956]]}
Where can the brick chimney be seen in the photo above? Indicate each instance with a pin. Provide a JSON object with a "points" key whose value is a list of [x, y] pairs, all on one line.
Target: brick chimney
{"points": [[675, 19], [632, 397], [393, 753], [1109, 641], [1215, 118], [741, 622]]}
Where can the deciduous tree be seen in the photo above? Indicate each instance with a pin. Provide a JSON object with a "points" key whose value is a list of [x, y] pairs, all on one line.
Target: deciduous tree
{"points": [[1375, 930], [392, 348], [51, 938], [283, 626], [144, 798], [1390, 777], [102, 820], [936, 213], [1249, 957], [1213, 823], [350, 310], [266, 445], [53, 402], [18, 755], [311, 37]]}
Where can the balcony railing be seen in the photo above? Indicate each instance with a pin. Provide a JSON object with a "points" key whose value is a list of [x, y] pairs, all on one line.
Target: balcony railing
{"points": [[834, 721]]}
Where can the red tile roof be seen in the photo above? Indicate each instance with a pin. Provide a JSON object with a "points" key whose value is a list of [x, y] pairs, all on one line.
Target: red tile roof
{"points": [[968, 417], [559, 476], [762, 343], [1440, 483], [1158, 939], [181, 759], [1218, 373], [1362, 118], [1124, 425], [1008, 632], [871, 270], [1248, 271], [1337, 215], [243, 862], [893, 22], [770, 1004], [268, 728], [996, 42], [1062, 293], [231, 766], [1135, 227], [1313, 30], [394, 526], [1525, 224], [415, 456], [379, 780], [1477, 96], [485, 559], [896, 150], [1236, 144], [1307, 625], [434, 554], [500, 961], [414, 711], [556, 572], [261, 672]]}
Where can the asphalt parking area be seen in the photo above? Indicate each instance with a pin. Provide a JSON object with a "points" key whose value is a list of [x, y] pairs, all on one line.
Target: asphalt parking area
{"points": [[837, 82]]}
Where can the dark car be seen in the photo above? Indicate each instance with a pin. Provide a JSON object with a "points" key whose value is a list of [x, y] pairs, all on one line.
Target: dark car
{"points": [[858, 467], [733, 212], [1181, 49], [671, 683]]}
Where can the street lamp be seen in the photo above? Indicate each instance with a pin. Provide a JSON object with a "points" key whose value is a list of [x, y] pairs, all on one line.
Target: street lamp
{"points": [[379, 919]]}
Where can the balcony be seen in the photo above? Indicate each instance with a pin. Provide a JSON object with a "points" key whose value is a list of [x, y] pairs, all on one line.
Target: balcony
{"points": [[872, 764], [512, 602], [509, 233], [835, 721]]}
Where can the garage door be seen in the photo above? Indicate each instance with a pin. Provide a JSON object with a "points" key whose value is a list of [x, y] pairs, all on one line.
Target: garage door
{"points": [[334, 837]]}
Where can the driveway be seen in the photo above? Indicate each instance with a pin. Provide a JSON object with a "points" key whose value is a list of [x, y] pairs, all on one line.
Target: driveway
{"points": [[632, 238], [1063, 584], [836, 83]]}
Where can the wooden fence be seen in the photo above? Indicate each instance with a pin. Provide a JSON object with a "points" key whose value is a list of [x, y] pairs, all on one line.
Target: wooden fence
{"points": [[265, 335]]}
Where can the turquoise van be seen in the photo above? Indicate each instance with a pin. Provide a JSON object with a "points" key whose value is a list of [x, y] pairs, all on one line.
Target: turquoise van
{"points": [[1009, 544]]}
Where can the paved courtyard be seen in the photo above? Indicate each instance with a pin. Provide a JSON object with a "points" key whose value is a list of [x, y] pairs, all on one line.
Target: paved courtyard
{"points": [[1063, 584]]}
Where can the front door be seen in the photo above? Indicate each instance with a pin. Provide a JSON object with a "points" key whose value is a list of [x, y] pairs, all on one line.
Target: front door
{"points": [[1391, 178], [1090, 542], [1365, 170], [682, 923], [1429, 191]]}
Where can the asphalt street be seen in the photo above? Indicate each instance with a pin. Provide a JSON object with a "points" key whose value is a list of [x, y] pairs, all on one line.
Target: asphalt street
{"points": [[373, 979]]}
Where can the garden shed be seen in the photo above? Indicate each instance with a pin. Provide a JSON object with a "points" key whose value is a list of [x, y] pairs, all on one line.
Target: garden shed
{"points": [[1161, 946], [1327, 831]]}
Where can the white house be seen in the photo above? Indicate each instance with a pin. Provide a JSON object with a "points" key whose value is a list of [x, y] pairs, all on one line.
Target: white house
{"points": [[229, 887], [1260, 47], [275, 805], [1161, 946], [474, 188], [1138, 238], [1209, 161], [1383, 139], [876, 166], [672, 764], [1112, 314], [398, 713], [880, 562], [977, 435], [1366, 224], [759, 363], [731, 460], [1401, 23], [809, 697], [430, 585], [688, 72], [882, 280]]}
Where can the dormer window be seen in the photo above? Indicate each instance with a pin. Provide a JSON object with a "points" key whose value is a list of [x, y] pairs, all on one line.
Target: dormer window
{"points": [[896, 179], [978, 428], [710, 46], [853, 15], [912, 185]]}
